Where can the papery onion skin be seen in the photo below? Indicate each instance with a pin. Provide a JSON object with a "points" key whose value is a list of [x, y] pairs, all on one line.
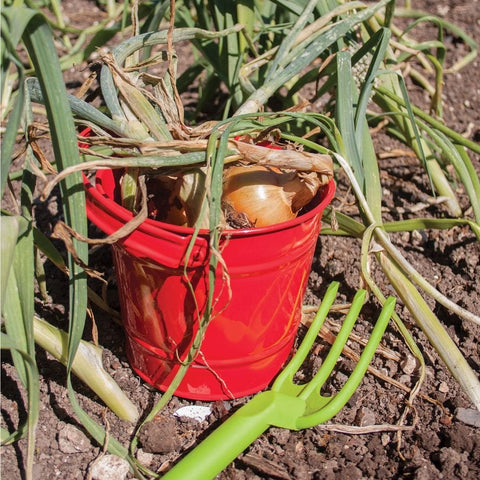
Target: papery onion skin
{"points": [[265, 195]]}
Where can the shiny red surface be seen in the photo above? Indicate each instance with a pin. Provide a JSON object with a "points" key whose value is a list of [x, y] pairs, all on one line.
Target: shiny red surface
{"points": [[251, 334]]}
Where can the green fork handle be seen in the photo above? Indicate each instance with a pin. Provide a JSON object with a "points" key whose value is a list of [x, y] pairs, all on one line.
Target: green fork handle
{"points": [[229, 440]]}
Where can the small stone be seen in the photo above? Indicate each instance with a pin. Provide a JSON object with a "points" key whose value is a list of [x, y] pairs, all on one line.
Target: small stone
{"points": [[443, 10], [109, 467], [443, 387], [52, 206], [341, 378], [299, 447], [416, 237], [145, 458], [408, 364], [364, 417], [72, 440], [195, 412], [469, 416]]}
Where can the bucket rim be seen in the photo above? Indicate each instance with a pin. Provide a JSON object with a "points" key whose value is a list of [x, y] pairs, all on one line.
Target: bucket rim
{"points": [[111, 207]]}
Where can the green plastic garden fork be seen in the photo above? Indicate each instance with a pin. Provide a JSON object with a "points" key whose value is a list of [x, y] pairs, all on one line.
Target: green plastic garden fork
{"points": [[287, 404]]}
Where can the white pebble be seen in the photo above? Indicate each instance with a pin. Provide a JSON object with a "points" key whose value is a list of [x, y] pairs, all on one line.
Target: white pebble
{"points": [[109, 467], [197, 412]]}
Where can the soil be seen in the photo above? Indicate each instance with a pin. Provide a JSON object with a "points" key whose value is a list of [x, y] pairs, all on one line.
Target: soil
{"points": [[378, 434]]}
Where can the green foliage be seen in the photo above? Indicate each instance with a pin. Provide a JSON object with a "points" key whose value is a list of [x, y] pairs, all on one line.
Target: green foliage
{"points": [[27, 25], [253, 59]]}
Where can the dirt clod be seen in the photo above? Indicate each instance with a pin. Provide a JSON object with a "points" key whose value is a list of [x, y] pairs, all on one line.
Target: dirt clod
{"points": [[444, 443], [160, 435]]}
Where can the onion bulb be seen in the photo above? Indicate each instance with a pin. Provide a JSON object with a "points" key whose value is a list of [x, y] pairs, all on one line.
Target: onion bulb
{"points": [[163, 202], [266, 196]]}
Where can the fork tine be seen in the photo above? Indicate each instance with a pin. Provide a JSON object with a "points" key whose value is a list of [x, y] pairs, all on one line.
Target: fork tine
{"points": [[285, 378], [337, 401], [336, 349]]}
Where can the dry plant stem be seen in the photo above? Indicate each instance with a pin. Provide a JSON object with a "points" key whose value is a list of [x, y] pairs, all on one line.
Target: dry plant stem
{"points": [[171, 69], [383, 351], [123, 231], [352, 430], [142, 116], [289, 159], [125, 49], [341, 308], [286, 159]]}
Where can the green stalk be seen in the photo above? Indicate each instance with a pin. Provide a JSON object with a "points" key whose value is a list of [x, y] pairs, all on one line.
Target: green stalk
{"points": [[87, 366], [230, 53], [9, 226], [464, 168], [79, 108], [426, 319], [311, 51], [412, 224], [57, 10], [33, 390], [421, 148], [437, 124], [438, 336], [16, 308]]}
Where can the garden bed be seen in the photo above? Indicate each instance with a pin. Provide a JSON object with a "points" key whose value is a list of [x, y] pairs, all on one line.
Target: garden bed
{"points": [[439, 436]]}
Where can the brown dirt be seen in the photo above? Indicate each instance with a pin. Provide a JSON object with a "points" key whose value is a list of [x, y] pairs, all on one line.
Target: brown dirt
{"points": [[437, 444]]}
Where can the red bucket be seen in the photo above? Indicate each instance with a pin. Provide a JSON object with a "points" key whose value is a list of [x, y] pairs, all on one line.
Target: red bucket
{"points": [[250, 337]]}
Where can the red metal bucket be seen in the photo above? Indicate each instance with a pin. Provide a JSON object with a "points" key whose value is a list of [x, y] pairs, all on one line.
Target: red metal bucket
{"points": [[250, 337]]}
